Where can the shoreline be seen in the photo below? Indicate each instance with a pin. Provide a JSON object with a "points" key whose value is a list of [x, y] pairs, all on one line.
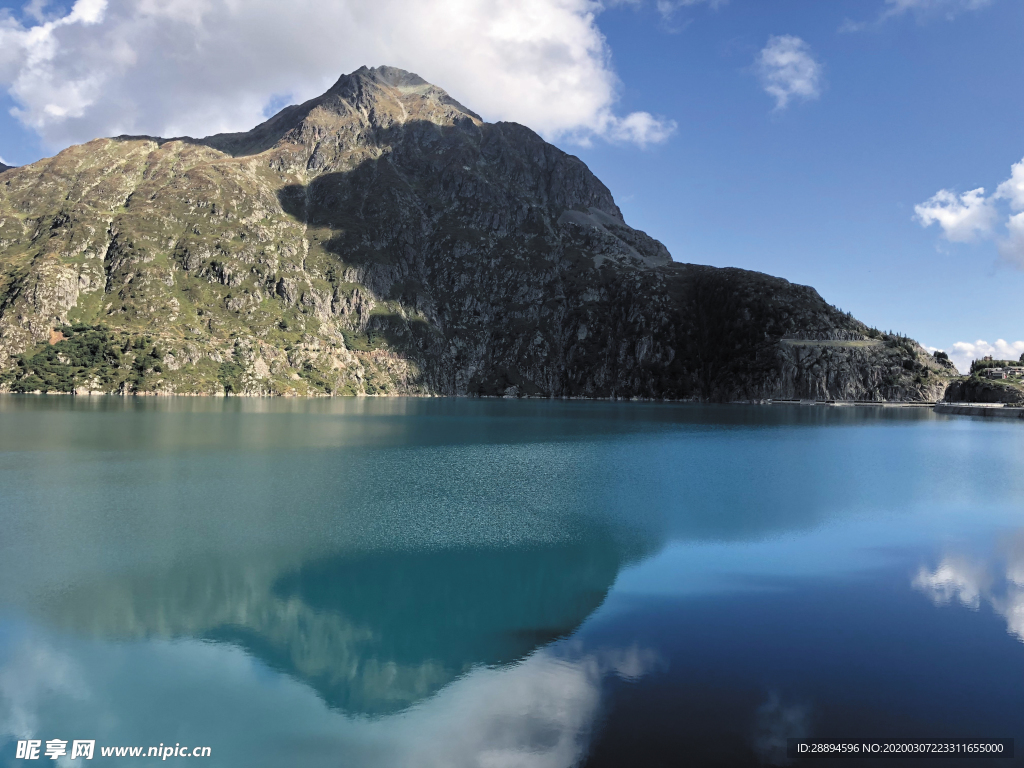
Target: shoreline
{"points": [[613, 398], [982, 410], [1002, 410], [985, 410]]}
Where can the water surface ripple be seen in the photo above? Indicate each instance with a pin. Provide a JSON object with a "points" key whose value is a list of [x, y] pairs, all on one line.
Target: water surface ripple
{"points": [[429, 582]]}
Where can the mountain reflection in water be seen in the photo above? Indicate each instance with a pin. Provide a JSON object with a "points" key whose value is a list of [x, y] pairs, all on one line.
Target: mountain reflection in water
{"points": [[449, 583], [372, 632]]}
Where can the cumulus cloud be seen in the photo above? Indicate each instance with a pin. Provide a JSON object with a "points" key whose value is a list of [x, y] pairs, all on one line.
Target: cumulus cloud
{"points": [[640, 128], [1012, 246], [195, 67], [1013, 188], [962, 218], [965, 351], [788, 70], [972, 215]]}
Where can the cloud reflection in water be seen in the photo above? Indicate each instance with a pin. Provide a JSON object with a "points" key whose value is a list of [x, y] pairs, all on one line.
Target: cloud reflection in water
{"points": [[538, 713], [999, 581]]}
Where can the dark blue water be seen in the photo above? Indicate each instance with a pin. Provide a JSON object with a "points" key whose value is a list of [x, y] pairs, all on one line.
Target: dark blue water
{"points": [[491, 583]]}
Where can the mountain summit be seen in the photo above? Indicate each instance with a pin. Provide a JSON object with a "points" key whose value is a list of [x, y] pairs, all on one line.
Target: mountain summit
{"points": [[380, 97], [383, 239]]}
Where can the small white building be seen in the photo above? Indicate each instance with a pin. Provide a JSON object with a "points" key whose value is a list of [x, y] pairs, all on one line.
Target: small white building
{"points": [[994, 373]]}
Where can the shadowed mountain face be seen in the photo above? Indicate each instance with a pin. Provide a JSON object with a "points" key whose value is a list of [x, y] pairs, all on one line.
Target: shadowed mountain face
{"points": [[383, 239], [4, 167]]}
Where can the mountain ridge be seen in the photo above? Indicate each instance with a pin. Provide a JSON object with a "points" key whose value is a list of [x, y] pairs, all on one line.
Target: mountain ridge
{"points": [[383, 239], [349, 89]]}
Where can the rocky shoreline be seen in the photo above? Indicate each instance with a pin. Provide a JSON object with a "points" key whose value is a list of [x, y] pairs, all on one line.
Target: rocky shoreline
{"points": [[988, 411]]}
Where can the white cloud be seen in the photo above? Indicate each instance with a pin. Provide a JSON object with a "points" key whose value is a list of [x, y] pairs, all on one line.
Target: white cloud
{"points": [[640, 128], [668, 8], [965, 351], [946, 8], [195, 67], [972, 215], [922, 9], [788, 70], [849, 25], [1012, 246], [1013, 188], [962, 218]]}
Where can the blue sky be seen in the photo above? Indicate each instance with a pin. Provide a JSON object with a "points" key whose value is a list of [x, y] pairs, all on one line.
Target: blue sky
{"points": [[892, 101], [823, 192]]}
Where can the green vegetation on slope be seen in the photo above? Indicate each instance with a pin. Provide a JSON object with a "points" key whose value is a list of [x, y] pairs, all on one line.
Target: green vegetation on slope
{"points": [[89, 357]]}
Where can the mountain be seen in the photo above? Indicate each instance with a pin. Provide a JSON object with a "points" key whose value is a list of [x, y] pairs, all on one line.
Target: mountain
{"points": [[383, 239], [4, 167], [372, 633]]}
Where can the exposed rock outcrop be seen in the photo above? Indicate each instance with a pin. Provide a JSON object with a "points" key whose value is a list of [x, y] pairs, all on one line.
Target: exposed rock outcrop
{"points": [[383, 239], [975, 389]]}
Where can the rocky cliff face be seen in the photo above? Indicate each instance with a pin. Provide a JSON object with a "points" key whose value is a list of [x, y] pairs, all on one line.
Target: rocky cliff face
{"points": [[974, 389], [383, 239]]}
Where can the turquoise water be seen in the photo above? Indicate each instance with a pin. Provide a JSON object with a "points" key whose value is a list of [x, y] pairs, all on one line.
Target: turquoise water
{"points": [[369, 582]]}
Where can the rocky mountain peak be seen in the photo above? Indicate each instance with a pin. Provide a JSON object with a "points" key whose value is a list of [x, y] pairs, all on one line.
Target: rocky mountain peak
{"points": [[357, 106], [386, 128], [390, 76], [383, 239], [380, 84], [5, 167]]}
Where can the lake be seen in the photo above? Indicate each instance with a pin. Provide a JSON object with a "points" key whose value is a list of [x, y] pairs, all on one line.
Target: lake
{"points": [[433, 582]]}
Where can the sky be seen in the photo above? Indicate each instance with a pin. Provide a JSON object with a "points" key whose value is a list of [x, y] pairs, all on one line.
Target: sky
{"points": [[873, 149]]}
